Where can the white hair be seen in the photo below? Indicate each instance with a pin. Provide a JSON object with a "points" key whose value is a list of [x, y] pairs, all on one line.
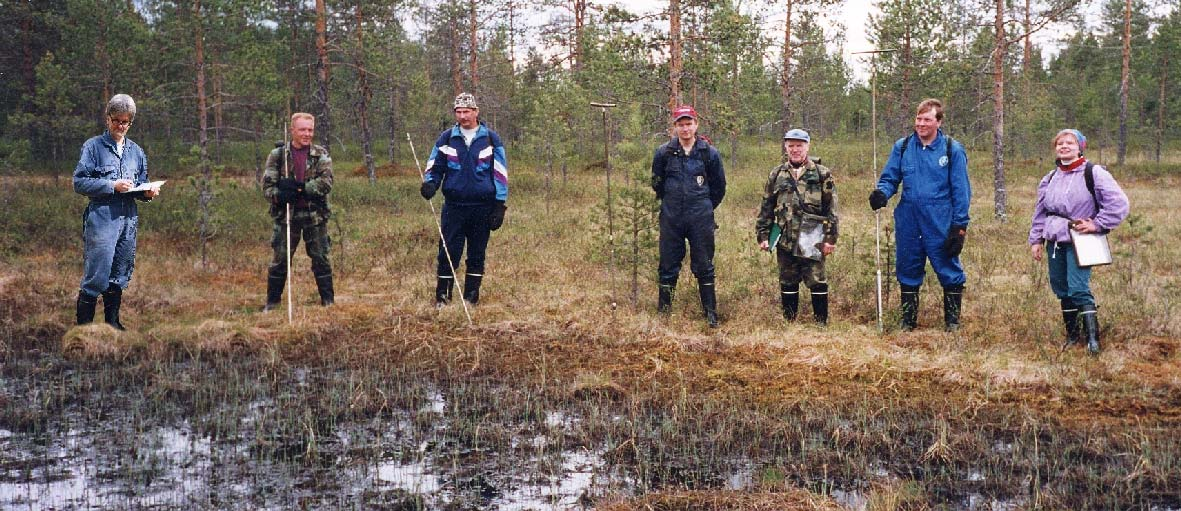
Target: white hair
{"points": [[121, 104]]}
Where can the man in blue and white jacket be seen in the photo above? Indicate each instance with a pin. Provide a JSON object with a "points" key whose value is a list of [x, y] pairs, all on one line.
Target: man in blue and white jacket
{"points": [[468, 160]]}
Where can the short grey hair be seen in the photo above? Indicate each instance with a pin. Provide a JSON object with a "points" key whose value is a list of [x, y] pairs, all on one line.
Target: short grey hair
{"points": [[121, 104]]}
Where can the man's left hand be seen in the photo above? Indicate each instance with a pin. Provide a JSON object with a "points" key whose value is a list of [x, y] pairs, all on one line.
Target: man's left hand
{"points": [[496, 217], [955, 241], [827, 248]]}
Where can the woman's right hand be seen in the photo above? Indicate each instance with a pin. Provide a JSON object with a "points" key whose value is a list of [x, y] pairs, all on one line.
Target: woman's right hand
{"points": [[1036, 251], [765, 245], [122, 185]]}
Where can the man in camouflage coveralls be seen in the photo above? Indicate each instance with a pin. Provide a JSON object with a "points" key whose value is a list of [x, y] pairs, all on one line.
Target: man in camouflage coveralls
{"points": [[305, 188], [799, 193]]}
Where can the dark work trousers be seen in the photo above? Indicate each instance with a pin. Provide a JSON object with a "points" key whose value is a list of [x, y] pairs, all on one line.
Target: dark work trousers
{"points": [[316, 243], [464, 224], [698, 230]]}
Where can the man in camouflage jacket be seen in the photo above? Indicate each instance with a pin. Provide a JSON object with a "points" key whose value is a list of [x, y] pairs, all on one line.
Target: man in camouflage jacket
{"points": [[800, 208], [304, 186]]}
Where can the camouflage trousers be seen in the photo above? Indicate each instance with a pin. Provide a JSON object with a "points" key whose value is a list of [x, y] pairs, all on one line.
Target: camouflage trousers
{"points": [[316, 244], [793, 270]]}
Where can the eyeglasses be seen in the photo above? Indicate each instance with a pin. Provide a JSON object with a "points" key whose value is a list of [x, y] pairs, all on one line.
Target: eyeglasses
{"points": [[121, 124]]}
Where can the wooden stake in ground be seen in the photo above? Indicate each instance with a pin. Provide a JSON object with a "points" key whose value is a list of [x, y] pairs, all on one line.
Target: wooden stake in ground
{"points": [[610, 210], [877, 215], [287, 242]]}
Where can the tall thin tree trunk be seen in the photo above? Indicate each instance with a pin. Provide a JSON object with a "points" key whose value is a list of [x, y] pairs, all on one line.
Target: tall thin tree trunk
{"points": [[363, 100], [785, 79], [1123, 84], [579, 28], [104, 63], [675, 65], [28, 60], [473, 47], [453, 61], [324, 122], [258, 158], [907, 62], [392, 120], [1000, 198], [296, 85], [218, 114], [735, 115], [204, 192], [1161, 102], [1027, 51]]}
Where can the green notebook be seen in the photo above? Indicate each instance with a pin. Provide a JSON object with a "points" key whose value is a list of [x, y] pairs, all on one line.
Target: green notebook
{"points": [[776, 232]]}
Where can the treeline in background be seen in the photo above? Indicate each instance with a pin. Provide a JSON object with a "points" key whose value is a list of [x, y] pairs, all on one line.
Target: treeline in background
{"points": [[215, 79]]}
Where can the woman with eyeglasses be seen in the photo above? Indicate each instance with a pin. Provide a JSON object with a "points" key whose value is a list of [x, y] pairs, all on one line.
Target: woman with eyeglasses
{"points": [[113, 172]]}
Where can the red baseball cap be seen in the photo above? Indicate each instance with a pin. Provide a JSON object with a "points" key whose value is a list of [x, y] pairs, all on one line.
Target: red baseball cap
{"points": [[684, 111]]}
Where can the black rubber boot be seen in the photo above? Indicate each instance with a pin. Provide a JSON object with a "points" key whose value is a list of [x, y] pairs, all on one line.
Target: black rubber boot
{"points": [[1090, 322], [275, 285], [443, 290], [471, 288], [664, 302], [1074, 334], [324, 286], [953, 297], [709, 302], [112, 299], [909, 307], [85, 308], [820, 304], [789, 298]]}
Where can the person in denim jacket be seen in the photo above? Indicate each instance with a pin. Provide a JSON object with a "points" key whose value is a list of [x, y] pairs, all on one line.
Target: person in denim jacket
{"points": [[1066, 202], [110, 167]]}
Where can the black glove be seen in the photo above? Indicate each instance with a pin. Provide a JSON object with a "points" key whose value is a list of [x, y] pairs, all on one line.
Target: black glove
{"points": [[496, 217], [290, 190], [955, 240], [877, 200], [428, 189], [658, 186]]}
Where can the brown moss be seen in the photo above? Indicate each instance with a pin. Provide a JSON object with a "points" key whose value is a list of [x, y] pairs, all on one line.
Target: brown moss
{"points": [[99, 341], [787, 500]]}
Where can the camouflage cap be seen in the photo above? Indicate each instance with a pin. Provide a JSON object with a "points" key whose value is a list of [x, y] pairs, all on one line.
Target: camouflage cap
{"points": [[465, 100]]}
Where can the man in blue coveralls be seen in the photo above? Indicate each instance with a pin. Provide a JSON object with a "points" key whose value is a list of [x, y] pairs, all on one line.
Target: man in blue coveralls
{"points": [[470, 164], [688, 178], [931, 219]]}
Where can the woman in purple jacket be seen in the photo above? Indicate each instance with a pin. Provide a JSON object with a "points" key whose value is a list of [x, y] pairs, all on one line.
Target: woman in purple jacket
{"points": [[1068, 199]]}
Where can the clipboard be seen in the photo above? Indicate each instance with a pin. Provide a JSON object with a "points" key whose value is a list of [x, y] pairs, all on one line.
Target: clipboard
{"points": [[1091, 249]]}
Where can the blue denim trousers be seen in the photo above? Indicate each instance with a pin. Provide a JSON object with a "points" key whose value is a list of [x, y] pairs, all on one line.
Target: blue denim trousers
{"points": [[1067, 279]]}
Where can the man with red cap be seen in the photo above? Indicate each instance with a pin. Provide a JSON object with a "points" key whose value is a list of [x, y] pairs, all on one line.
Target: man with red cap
{"points": [[688, 178]]}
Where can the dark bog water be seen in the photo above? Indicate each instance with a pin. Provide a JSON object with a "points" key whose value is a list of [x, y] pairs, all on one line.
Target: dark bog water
{"points": [[226, 434]]}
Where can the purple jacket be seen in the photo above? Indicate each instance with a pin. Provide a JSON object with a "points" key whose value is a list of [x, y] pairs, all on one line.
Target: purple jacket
{"points": [[1064, 194]]}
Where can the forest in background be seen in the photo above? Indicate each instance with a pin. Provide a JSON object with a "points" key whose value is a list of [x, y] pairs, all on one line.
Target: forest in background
{"points": [[215, 79]]}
